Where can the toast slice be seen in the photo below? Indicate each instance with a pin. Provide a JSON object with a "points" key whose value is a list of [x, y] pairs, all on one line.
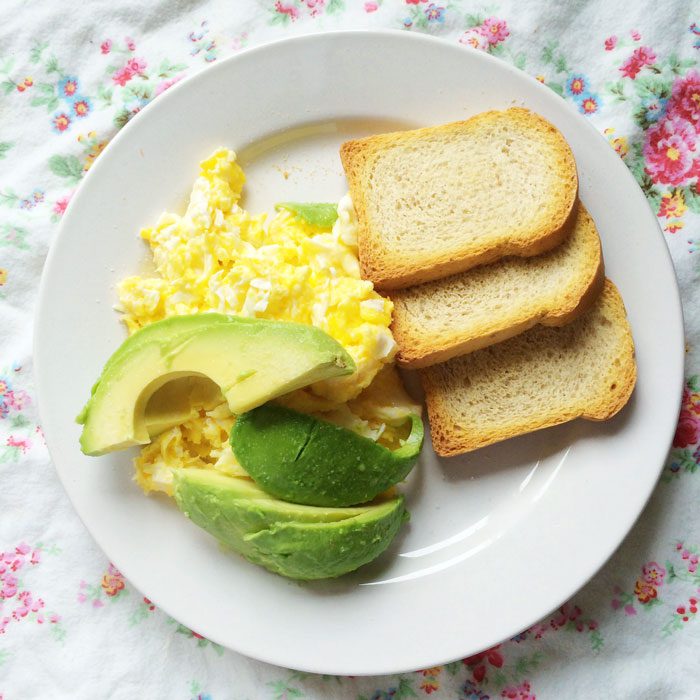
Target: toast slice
{"points": [[540, 378], [440, 200], [436, 321]]}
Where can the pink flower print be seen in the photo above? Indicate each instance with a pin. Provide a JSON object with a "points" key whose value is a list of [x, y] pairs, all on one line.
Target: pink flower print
{"points": [[9, 586], [27, 605], [520, 692], [9, 399], [654, 573], [636, 36], [685, 98], [122, 76], [316, 6], [162, 87], [643, 56], [682, 612], [610, 43], [495, 30], [239, 41], [629, 609], [36, 557], [567, 613], [477, 662], [415, 2], [289, 10], [21, 444], [136, 65], [130, 43], [18, 400], [475, 39], [630, 68], [106, 46], [59, 207], [22, 548], [692, 560], [371, 7], [669, 150]]}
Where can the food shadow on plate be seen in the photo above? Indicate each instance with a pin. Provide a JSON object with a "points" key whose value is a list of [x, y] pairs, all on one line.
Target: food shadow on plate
{"points": [[379, 567]]}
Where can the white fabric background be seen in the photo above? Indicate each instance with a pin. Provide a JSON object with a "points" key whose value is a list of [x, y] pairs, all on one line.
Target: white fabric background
{"points": [[92, 638]]}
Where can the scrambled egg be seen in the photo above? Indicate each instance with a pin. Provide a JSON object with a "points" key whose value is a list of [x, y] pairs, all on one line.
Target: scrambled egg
{"points": [[219, 257]]}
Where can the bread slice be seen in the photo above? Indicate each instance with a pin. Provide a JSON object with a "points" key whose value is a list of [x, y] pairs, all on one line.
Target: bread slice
{"points": [[440, 200], [540, 378], [436, 321]]}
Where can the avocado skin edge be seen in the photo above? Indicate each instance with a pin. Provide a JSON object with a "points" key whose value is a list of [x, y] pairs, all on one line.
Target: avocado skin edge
{"points": [[293, 541]]}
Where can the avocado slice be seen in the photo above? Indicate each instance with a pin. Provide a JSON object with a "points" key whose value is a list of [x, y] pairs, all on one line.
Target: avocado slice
{"points": [[251, 360], [321, 214], [296, 541], [303, 459]]}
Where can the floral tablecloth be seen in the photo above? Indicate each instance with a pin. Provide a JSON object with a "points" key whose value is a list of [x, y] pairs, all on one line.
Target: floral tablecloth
{"points": [[71, 75]]}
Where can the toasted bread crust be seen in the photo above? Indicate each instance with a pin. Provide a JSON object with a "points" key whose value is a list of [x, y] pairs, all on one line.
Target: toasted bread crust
{"points": [[452, 436], [421, 346], [393, 269]]}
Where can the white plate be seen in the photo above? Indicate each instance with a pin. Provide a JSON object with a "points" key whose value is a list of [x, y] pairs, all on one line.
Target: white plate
{"points": [[498, 538]]}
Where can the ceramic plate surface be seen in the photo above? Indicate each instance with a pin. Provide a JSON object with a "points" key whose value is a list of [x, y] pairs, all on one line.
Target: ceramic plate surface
{"points": [[498, 538]]}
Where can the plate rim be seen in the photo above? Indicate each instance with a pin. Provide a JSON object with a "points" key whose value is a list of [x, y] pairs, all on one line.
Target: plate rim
{"points": [[223, 64]]}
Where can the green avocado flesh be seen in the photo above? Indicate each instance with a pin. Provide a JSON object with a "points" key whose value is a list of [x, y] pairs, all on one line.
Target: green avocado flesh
{"points": [[250, 360], [319, 214], [296, 541], [302, 459]]}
